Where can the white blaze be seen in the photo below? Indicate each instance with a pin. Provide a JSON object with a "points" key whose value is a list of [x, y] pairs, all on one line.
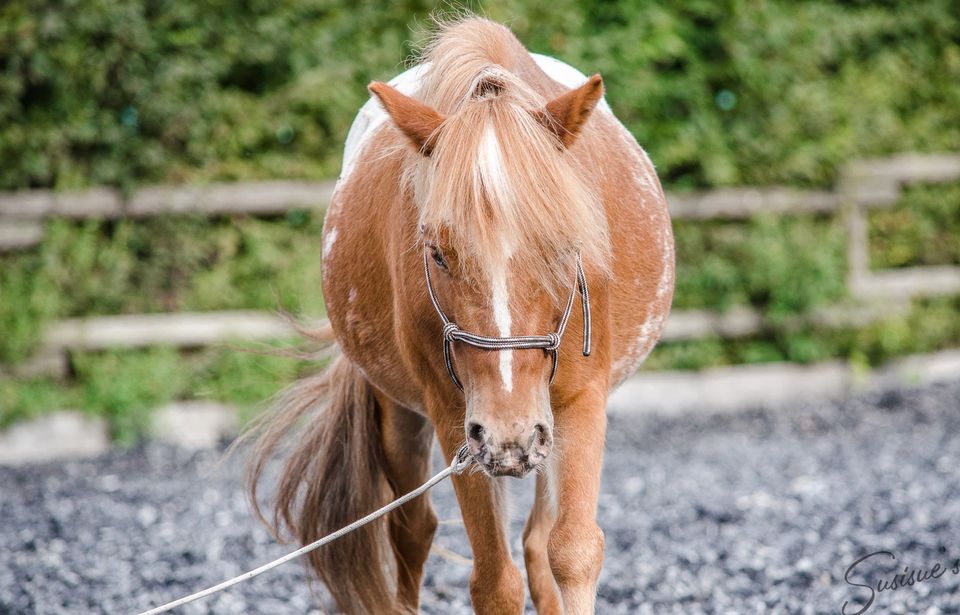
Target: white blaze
{"points": [[501, 316], [495, 179]]}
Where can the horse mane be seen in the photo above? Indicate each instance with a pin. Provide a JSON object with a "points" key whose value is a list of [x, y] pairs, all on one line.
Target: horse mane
{"points": [[501, 185]]}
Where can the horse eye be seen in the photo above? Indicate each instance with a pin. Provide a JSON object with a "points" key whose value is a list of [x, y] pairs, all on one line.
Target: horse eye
{"points": [[438, 257]]}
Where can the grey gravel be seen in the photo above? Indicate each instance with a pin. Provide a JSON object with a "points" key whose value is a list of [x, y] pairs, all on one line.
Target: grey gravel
{"points": [[759, 511]]}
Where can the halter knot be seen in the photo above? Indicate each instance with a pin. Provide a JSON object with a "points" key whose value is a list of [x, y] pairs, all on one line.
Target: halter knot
{"points": [[554, 342], [449, 329]]}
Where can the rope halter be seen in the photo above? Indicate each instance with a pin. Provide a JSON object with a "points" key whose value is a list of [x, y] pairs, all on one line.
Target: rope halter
{"points": [[549, 342]]}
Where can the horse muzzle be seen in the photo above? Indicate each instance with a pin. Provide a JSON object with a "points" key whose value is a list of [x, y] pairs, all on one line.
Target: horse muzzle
{"points": [[512, 455]]}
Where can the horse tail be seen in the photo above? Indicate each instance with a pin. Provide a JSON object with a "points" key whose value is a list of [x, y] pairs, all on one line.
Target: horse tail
{"points": [[332, 475]]}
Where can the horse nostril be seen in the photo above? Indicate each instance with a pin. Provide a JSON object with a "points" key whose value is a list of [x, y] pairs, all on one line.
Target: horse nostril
{"points": [[542, 434], [475, 432]]}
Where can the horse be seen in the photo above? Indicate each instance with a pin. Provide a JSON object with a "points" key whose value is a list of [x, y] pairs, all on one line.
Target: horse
{"points": [[482, 191]]}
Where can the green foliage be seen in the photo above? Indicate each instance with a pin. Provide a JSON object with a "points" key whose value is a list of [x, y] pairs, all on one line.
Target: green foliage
{"points": [[28, 298], [158, 265], [781, 265], [743, 92], [100, 92], [26, 398], [930, 325], [720, 93], [124, 386], [923, 229], [245, 376], [731, 92]]}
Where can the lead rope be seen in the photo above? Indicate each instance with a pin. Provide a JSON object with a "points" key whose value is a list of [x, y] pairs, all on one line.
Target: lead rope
{"points": [[549, 342], [451, 332], [460, 462]]}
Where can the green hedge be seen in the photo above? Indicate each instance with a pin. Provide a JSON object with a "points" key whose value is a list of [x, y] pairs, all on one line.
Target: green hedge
{"points": [[782, 266], [720, 92], [163, 264], [730, 92], [923, 229]]}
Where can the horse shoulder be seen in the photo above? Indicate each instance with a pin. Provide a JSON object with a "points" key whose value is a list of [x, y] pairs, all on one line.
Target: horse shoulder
{"points": [[641, 288], [359, 268]]}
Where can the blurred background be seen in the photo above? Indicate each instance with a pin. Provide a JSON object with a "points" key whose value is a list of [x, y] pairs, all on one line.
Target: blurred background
{"points": [[165, 166]]}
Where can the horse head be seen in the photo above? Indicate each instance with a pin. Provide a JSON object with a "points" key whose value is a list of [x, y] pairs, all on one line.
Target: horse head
{"points": [[503, 219]]}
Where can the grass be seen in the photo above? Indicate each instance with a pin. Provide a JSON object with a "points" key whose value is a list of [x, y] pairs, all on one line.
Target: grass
{"points": [[124, 386]]}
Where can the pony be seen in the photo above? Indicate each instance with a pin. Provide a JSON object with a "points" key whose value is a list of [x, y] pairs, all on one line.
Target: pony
{"points": [[482, 190]]}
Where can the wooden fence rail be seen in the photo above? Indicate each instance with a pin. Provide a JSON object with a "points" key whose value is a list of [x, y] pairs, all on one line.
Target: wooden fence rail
{"points": [[863, 185]]}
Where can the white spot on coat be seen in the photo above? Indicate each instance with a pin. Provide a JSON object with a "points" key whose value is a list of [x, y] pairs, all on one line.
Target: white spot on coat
{"points": [[564, 74], [372, 115], [328, 242]]}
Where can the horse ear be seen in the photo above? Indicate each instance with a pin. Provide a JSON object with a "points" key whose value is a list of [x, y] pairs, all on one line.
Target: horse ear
{"points": [[566, 114], [414, 119]]}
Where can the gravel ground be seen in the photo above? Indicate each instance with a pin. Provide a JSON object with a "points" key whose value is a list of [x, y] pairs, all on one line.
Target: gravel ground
{"points": [[754, 512]]}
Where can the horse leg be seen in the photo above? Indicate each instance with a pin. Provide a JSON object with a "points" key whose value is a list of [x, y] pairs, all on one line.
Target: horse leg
{"points": [[407, 442], [496, 585], [543, 587], [575, 545]]}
